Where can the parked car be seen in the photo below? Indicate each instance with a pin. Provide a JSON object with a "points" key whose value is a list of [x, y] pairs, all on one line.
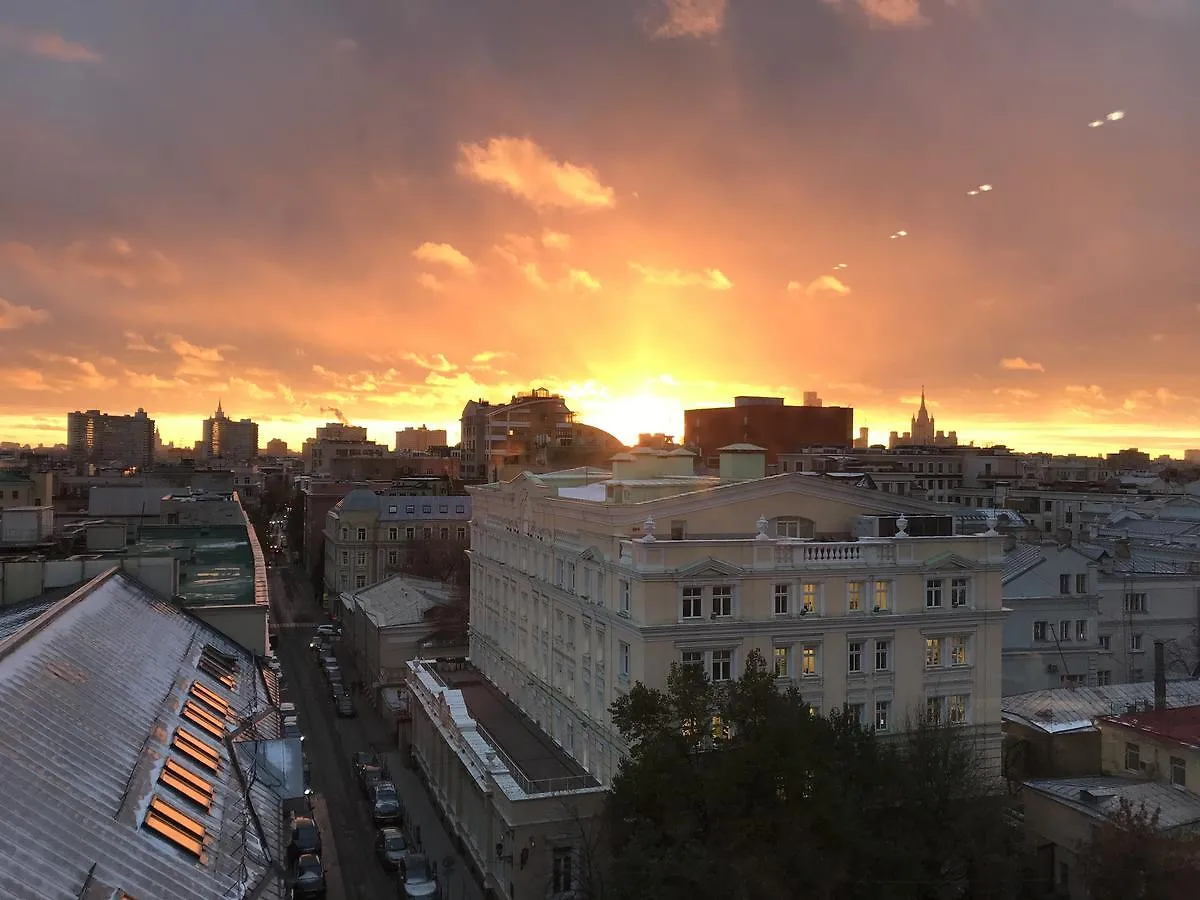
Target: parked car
{"points": [[306, 838], [320, 648], [345, 707], [335, 678], [370, 776], [291, 727], [391, 848], [308, 876], [418, 878], [386, 808], [329, 631], [287, 709]]}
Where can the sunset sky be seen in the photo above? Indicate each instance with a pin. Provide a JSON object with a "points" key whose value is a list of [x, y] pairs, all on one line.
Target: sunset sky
{"points": [[390, 207]]}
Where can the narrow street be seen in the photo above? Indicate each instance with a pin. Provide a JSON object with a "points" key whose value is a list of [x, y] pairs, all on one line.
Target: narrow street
{"points": [[354, 872]]}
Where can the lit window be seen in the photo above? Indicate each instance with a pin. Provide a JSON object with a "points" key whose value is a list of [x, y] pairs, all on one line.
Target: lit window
{"points": [[782, 662], [883, 593], [808, 599], [933, 710], [956, 709], [958, 650], [933, 652], [720, 731], [809, 662]]}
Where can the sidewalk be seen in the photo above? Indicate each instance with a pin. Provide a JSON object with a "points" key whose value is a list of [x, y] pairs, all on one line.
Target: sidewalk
{"points": [[458, 883]]}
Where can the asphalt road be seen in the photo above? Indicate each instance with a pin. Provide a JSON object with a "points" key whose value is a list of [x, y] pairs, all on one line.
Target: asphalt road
{"points": [[353, 871]]}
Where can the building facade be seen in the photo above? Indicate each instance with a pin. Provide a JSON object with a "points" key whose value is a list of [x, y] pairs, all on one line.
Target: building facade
{"points": [[96, 438], [769, 423], [367, 535], [233, 440], [923, 431], [580, 589], [419, 440]]}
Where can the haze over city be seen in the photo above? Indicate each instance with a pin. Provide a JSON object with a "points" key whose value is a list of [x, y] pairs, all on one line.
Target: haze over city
{"points": [[389, 209]]}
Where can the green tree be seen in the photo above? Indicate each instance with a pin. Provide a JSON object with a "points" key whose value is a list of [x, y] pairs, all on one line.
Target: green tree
{"points": [[738, 790], [1131, 857]]}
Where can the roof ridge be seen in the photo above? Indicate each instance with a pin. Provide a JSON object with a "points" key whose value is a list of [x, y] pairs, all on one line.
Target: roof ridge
{"points": [[34, 627]]}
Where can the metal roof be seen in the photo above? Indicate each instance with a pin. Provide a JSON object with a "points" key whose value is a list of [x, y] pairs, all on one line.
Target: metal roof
{"points": [[91, 695], [1100, 796], [1062, 710], [401, 599]]}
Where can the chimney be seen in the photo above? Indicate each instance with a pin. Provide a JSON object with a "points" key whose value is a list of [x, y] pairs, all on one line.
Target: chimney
{"points": [[1160, 677], [1010, 542], [1121, 548]]}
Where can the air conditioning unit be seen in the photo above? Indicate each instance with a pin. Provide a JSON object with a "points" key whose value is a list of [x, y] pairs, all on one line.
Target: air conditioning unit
{"points": [[1052, 669]]}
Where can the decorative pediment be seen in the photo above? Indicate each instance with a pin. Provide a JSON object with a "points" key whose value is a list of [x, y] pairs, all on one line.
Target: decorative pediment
{"points": [[949, 562], [710, 568]]}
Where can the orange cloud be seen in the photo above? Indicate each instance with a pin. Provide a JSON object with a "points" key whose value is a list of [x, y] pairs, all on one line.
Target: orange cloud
{"points": [[1018, 364], [713, 279], [194, 351], [534, 276], [47, 45], [523, 169], [900, 13], [430, 282], [14, 316], [444, 254], [556, 240], [137, 343], [690, 18], [824, 284], [578, 278], [73, 372]]}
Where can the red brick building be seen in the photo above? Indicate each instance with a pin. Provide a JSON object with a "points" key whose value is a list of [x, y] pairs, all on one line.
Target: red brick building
{"points": [[769, 423]]}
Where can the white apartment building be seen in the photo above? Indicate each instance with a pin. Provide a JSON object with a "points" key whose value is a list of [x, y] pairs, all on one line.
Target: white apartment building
{"points": [[1051, 633], [582, 586]]}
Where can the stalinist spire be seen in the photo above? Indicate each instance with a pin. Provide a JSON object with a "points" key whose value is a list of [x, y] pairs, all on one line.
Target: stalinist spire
{"points": [[221, 412], [922, 396]]}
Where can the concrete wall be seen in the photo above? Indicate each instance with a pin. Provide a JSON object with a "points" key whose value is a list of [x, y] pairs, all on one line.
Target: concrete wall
{"points": [[26, 525], [247, 625], [1057, 831], [24, 580]]}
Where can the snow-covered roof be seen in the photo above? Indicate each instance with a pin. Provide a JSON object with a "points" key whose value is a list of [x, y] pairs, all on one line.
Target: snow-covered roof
{"points": [[1100, 797], [94, 695], [401, 599]]}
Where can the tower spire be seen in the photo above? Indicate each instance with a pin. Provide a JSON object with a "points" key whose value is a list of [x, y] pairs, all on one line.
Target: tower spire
{"points": [[221, 412]]}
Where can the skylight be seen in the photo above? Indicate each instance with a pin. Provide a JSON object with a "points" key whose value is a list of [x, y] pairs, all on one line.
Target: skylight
{"points": [[218, 665], [190, 785], [196, 750], [179, 828], [200, 716], [210, 698]]}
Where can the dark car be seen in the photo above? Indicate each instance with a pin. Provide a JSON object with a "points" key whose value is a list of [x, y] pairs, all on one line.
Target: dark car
{"points": [[361, 759], [308, 876], [345, 707], [391, 848], [306, 838], [291, 727], [369, 776], [418, 878], [386, 808], [336, 692]]}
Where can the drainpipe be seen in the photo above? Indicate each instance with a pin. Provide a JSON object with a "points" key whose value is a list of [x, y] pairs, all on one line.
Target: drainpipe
{"points": [[1160, 677]]}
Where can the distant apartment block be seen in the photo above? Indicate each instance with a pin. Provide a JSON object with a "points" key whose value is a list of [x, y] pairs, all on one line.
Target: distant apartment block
{"points": [[100, 439], [337, 440], [767, 422], [419, 440], [582, 586], [534, 432], [232, 440]]}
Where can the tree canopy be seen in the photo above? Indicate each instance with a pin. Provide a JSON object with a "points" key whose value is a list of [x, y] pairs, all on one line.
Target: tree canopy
{"points": [[1131, 857], [739, 790]]}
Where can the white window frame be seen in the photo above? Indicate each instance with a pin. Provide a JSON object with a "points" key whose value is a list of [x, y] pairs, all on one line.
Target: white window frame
{"points": [[854, 595], [882, 720], [960, 650], [810, 596], [813, 652], [854, 657], [782, 653], [932, 644], [687, 599], [726, 595], [882, 591], [960, 591], [933, 593], [886, 652], [727, 657], [624, 659], [783, 598]]}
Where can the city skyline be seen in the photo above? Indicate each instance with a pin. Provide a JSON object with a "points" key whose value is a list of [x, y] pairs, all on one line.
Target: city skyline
{"points": [[645, 206]]}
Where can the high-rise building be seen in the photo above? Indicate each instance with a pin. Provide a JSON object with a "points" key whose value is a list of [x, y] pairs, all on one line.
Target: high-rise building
{"points": [[922, 431], [96, 438], [337, 440], [235, 440], [418, 440]]}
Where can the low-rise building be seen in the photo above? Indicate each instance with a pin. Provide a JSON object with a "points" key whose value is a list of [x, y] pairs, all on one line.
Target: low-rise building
{"points": [[388, 624], [144, 761]]}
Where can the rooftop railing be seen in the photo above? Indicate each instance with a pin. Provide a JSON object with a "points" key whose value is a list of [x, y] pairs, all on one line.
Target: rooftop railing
{"points": [[533, 786]]}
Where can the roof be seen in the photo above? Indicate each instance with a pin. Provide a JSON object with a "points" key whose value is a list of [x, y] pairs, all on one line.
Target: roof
{"points": [[401, 600], [1179, 726], [1021, 559], [359, 499], [216, 562], [741, 448], [1100, 797], [93, 694], [1075, 709]]}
